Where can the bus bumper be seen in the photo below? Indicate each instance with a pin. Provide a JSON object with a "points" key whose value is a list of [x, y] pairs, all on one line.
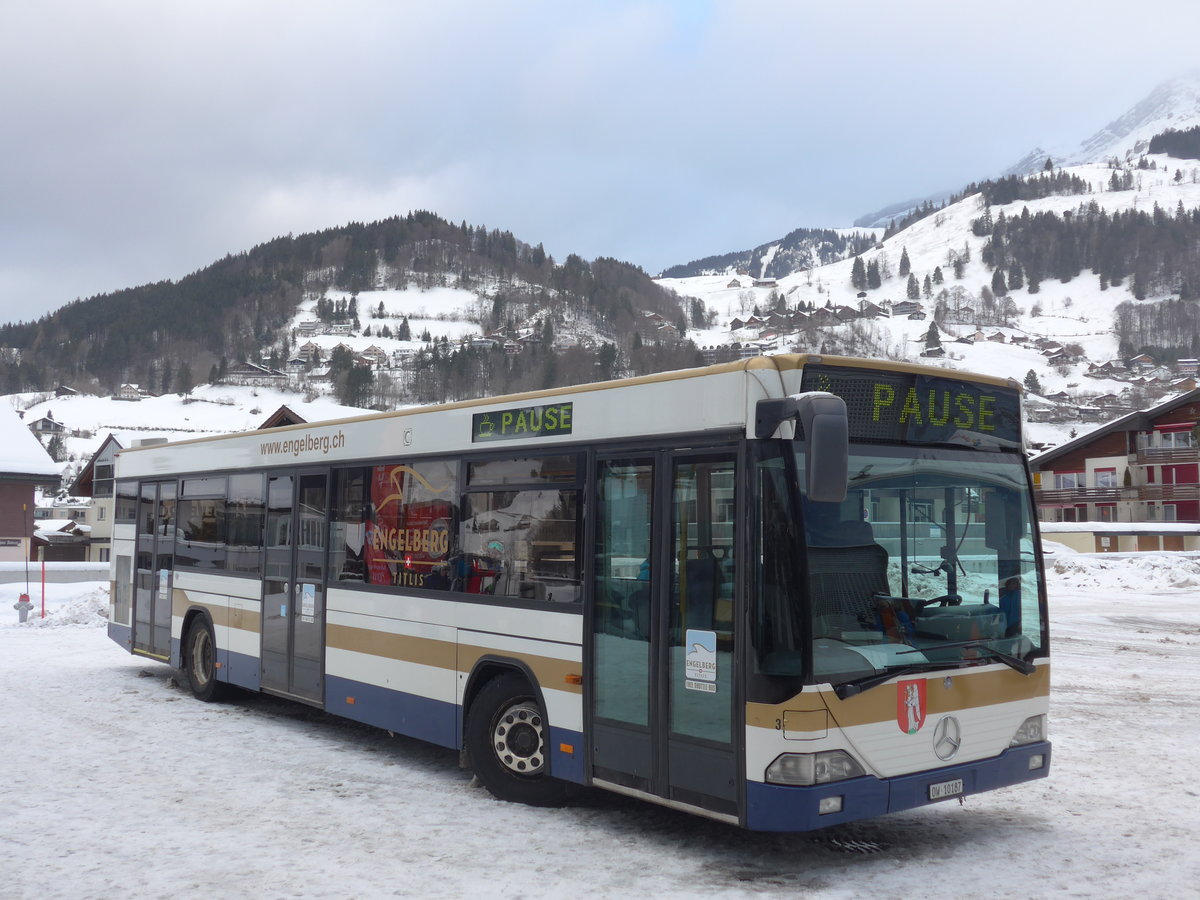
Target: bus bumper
{"points": [[775, 807]]}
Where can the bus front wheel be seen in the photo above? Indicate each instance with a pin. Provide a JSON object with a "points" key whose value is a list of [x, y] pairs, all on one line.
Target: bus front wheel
{"points": [[507, 739], [200, 661]]}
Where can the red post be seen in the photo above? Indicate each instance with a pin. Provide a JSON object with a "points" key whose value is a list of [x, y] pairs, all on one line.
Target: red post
{"points": [[42, 554]]}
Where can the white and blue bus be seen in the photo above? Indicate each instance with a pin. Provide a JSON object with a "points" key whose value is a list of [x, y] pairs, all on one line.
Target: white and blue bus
{"points": [[783, 593]]}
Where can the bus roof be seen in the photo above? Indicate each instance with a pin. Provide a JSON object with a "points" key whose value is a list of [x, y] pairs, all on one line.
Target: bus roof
{"points": [[648, 405]]}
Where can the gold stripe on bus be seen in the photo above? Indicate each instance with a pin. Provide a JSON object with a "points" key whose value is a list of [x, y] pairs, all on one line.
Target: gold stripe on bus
{"points": [[967, 690], [225, 616], [550, 673], [405, 647]]}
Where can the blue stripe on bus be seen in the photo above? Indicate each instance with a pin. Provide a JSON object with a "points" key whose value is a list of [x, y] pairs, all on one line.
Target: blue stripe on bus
{"points": [[122, 634], [409, 714], [434, 720], [239, 669], [774, 807]]}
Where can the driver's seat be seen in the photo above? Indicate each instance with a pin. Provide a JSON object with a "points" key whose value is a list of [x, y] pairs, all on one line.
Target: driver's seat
{"points": [[844, 582]]}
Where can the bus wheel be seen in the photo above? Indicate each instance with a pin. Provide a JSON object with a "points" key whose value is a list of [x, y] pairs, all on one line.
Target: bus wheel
{"points": [[506, 738], [200, 661]]}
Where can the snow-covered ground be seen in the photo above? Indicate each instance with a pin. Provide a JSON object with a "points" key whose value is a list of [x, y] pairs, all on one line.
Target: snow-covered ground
{"points": [[118, 783]]}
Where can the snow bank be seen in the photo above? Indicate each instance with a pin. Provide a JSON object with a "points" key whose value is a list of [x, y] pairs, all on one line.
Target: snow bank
{"points": [[83, 604], [1141, 572]]}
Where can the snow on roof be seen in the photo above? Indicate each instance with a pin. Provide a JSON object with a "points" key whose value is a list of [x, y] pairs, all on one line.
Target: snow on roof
{"points": [[21, 453]]}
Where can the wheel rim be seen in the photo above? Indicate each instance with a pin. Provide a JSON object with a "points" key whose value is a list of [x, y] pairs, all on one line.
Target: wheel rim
{"points": [[201, 657], [518, 738]]}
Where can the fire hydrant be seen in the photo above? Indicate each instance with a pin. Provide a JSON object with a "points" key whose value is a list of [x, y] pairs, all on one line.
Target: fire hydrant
{"points": [[23, 606]]}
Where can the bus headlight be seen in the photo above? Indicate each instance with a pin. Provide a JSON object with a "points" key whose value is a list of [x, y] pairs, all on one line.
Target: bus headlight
{"points": [[813, 768], [1031, 730]]}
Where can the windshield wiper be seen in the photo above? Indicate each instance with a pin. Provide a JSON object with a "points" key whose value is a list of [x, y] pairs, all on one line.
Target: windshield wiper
{"points": [[852, 688], [1013, 662]]}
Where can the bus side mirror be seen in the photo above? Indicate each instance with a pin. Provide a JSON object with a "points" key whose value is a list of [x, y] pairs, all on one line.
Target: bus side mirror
{"points": [[826, 445]]}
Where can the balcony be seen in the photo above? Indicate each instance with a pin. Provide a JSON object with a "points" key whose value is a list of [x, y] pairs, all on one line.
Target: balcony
{"points": [[1157, 456], [1160, 492], [1072, 496]]}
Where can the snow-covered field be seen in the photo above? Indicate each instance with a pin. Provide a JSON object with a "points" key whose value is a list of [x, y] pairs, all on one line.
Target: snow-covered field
{"points": [[117, 783]]}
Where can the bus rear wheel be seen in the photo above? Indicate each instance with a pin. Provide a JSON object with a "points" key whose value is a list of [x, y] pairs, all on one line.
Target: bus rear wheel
{"points": [[200, 661], [507, 739]]}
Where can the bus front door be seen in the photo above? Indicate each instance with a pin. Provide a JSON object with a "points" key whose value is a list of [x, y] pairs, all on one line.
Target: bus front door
{"points": [[293, 623], [662, 691]]}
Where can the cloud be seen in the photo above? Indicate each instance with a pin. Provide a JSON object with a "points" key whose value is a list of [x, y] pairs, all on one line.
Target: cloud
{"points": [[146, 139]]}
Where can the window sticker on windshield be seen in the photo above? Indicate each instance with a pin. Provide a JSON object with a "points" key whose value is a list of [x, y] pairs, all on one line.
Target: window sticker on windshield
{"points": [[700, 666], [910, 705]]}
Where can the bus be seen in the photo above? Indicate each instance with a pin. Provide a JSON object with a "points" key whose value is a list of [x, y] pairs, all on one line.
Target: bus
{"points": [[783, 593]]}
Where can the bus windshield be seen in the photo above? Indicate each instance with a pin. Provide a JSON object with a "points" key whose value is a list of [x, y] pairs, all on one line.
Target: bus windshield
{"points": [[928, 563]]}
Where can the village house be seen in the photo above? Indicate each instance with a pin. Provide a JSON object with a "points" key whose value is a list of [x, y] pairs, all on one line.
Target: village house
{"points": [[1140, 468]]}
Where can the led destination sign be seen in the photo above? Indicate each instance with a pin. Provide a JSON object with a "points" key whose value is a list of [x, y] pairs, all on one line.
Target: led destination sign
{"points": [[921, 409], [521, 422]]}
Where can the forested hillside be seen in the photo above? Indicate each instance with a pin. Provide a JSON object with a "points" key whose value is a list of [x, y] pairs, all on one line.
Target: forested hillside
{"points": [[168, 335]]}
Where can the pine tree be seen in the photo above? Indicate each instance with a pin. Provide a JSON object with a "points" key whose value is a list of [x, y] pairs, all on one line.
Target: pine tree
{"points": [[905, 265], [1032, 384], [858, 275], [999, 284], [938, 277], [914, 287], [927, 288], [873, 279]]}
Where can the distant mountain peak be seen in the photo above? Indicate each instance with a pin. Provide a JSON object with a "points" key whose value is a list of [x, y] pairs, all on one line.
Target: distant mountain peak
{"points": [[1173, 104]]}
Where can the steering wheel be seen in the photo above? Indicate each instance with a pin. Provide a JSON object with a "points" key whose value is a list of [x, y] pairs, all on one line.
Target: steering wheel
{"points": [[944, 600]]}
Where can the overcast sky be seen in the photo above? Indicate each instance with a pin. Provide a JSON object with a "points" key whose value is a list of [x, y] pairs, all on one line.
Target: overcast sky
{"points": [[144, 140]]}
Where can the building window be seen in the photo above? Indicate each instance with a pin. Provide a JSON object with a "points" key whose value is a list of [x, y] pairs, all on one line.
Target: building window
{"points": [[101, 513], [1106, 514], [1064, 481], [1106, 478], [104, 551]]}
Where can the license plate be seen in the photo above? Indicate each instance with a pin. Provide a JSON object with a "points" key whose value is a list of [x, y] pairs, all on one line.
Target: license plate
{"points": [[946, 789]]}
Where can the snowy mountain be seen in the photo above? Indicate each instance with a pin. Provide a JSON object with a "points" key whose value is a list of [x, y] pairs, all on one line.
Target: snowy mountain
{"points": [[1173, 104], [1019, 336]]}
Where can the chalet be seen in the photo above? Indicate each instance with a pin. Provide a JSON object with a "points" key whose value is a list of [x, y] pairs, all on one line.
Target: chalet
{"points": [[1142, 362], [63, 391], [735, 324], [309, 351], [1188, 366], [377, 356], [295, 365], [47, 426], [868, 310], [933, 353], [60, 540], [281, 418], [128, 392], [765, 282], [342, 328], [906, 307], [308, 328], [1107, 400], [734, 283], [997, 337], [1059, 396], [845, 313], [24, 466], [824, 316], [1140, 469], [252, 373], [917, 316], [755, 322]]}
